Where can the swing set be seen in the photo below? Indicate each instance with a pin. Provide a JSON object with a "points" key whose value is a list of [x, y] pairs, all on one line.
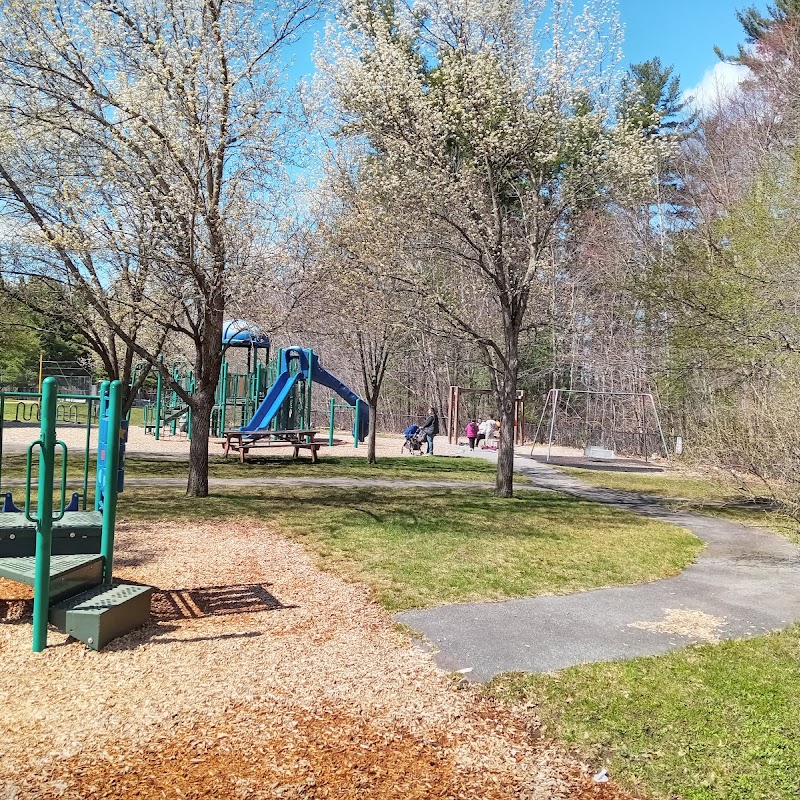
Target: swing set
{"points": [[459, 394], [598, 427]]}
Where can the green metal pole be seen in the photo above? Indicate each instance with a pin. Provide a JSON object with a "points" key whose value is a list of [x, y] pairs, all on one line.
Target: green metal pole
{"points": [[2, 421], [103, 404], [279, 421], [89, 402], [330, 435], [132, 383], [173, 426], [224, 409], [44, 514], [310, 356], [157, 424], [356, 426], [110, 488], [191, 385]]}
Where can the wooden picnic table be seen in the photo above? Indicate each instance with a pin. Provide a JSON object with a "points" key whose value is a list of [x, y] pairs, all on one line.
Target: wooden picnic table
{"points": [[243, 441]]}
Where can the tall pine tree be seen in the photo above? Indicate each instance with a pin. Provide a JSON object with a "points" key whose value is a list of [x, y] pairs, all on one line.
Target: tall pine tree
{"points": [[651, 98]]}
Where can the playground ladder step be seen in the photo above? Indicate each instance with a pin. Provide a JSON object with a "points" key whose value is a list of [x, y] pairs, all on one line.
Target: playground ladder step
{"points": [[69, 574], [77, 532], [103, 613]]}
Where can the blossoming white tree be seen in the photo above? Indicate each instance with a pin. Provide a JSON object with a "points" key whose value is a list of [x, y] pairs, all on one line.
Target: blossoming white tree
{"points": [[145, 138], [361, 286], [491, 125]]}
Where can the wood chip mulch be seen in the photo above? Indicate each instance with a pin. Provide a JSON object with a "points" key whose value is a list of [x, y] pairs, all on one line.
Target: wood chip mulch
{"points": [[260, 677]]}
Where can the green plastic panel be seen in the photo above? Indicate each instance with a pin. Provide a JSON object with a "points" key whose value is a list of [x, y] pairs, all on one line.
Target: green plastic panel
{"points": [[69, 574], [104, 613], [77, 533]]}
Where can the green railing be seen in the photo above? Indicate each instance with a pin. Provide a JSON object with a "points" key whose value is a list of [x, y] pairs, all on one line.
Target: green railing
{"points": [[44, 508], [111, 400], [63, 414]]}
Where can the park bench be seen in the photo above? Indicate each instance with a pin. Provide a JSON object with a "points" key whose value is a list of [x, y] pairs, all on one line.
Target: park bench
{"points": [[244, 441], [312, 446]]}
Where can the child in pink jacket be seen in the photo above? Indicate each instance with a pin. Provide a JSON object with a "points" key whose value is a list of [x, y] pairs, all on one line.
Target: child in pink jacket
{"points": [[472, 433]]}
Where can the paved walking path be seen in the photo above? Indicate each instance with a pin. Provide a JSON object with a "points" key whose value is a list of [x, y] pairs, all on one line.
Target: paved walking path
{"points": [[747, 581]]}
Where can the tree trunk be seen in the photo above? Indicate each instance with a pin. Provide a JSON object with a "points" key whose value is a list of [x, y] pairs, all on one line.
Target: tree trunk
{"points": [[373, 429], [208, 363], [508, 395], [202, 407]]}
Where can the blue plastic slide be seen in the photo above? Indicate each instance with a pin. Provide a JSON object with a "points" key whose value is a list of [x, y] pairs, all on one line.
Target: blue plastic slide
{"points": [[285, 382], [323, 377], [276, 395]]}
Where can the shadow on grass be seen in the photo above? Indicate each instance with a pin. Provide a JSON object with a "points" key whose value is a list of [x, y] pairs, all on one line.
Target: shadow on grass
{"points": [[434, 468], [581, 462], [408, 508], [422, 546]]}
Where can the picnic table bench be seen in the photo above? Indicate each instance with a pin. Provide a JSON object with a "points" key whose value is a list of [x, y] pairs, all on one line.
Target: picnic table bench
{"points": [[243, 441]]}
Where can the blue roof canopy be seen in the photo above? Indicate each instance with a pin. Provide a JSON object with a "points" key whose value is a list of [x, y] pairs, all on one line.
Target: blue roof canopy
{"points": [[240, 333]]}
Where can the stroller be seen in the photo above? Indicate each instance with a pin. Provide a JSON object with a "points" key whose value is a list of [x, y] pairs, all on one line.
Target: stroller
{"points": [[413, 441]]}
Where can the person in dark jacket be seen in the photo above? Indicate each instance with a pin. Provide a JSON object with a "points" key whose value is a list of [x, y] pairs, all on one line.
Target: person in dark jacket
{"points": [[430, 428]]}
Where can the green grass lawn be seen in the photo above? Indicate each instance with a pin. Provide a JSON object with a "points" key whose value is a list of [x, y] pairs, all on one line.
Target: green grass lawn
{"points": [[329, 466], [417, 548], [661, 484], [713, 722], [716, 497], [417, 468]]}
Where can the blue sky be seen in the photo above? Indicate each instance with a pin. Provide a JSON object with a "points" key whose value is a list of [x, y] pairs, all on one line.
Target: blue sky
{"points": [[680, 32]]}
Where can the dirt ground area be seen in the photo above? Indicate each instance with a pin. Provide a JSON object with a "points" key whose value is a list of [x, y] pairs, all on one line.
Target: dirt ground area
{"points": [[17, 437], [260, 677], [574, 457]]}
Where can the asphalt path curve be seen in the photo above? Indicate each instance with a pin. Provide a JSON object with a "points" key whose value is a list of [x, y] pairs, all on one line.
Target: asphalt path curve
{"points": [[745, 582]]}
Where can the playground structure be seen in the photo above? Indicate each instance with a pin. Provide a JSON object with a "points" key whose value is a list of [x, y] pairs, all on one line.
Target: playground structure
{"points": [[270, 396], [238, 393], [284, 414], [459, 394], [67, 553], [71, 410], [602, 427]]}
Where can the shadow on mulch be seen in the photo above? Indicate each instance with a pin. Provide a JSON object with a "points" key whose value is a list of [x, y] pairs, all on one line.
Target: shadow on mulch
{"points": [[170, 605], [213, 601], [16, 611]]}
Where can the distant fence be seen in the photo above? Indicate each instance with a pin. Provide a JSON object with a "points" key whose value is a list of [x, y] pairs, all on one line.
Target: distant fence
{"points": [[388, 422]]}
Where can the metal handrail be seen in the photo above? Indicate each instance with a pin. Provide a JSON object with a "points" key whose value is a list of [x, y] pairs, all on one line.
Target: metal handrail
{"points": [[28, 459], [63, 507], [58, 396]]}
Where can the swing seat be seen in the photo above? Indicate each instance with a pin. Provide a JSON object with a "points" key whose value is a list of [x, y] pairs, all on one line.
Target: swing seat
{"points": [[599, 453]]}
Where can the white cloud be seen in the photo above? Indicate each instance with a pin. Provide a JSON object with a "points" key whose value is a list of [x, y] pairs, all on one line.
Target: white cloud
{"points": [[718, 84]]}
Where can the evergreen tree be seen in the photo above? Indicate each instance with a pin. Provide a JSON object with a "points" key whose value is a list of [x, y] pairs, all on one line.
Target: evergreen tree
{"points": [[757, 26], [652, 99]]}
